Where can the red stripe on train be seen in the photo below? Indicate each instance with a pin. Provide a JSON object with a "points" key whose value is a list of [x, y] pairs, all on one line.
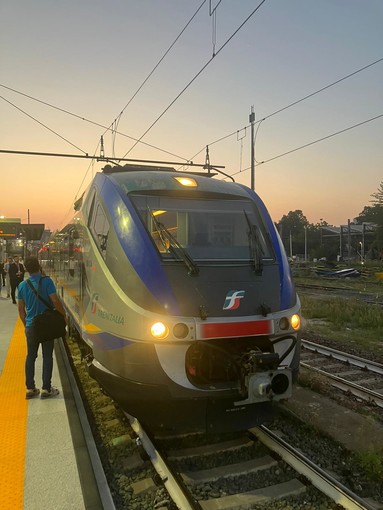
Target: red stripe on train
{"points": [[232, 329]]}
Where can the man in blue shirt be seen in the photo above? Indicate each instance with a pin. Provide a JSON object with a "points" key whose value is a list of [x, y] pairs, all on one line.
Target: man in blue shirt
{"points": [[29, 306]]}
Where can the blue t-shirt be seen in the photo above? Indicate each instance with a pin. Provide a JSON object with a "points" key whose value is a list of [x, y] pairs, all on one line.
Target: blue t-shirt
{"points": [[34, 306]]}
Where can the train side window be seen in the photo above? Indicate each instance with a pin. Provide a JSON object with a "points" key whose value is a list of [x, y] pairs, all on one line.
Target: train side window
{"points": [[89, 206], [100, 228]]}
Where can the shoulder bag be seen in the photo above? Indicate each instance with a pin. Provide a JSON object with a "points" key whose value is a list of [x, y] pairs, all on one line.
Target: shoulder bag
{"points": [[47, 325]]}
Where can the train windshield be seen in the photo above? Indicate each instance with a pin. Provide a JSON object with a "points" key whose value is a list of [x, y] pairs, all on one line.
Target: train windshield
{"points": [[206, 229]]}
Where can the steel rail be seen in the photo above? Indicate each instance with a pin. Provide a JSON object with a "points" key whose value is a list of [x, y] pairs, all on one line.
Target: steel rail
{"points": [[318, 477], [344, 385], [174, 489], [372, 366]]}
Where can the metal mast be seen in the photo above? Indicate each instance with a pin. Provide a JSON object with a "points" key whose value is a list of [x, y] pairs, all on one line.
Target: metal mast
{"points": [[252, 121]]}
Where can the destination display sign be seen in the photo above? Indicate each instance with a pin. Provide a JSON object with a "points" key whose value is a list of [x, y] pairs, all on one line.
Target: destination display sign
{"points": [[29, 231], [9, 229]]}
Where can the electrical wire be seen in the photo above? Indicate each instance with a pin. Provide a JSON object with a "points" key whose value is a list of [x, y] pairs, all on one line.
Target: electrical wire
{"points": [[114, 124], [195, 77], [225, 137], [41, 124], [255, 137], [156, 66], [214, 142], [88, 120], [312, 143]]}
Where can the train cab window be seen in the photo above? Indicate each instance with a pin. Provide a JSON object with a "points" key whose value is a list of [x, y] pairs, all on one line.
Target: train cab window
{"points": [[208, 229], [169, 220], [99, 226], [89, 204]]}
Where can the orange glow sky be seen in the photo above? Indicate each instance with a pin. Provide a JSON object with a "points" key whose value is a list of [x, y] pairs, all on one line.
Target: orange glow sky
{"points": [[89, 58]]}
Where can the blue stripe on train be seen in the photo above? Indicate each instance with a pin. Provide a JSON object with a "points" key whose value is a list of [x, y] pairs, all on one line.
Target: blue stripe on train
{"points": [[105, 341], [135, 241]]}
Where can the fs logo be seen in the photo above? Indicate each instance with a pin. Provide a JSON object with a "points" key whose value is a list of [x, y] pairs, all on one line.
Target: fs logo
{"points": [[233, 299]]}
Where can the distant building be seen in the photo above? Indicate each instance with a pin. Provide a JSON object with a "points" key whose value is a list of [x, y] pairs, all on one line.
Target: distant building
{"points": [[354, 239]]}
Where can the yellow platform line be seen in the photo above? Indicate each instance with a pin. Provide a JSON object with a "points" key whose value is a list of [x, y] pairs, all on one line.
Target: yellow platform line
{"points": [[13, 423]]}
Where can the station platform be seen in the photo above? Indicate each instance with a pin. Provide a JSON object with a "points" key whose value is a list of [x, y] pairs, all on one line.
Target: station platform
{"points": [[39, 454]]}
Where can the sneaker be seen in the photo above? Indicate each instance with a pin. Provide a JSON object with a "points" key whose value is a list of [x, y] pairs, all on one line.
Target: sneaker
{"points": [[53, 392], [32, 393]]}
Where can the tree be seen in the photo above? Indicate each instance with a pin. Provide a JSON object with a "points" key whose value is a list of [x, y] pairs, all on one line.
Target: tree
{"points": [[378, 206], [293, 221], [378, 196], [292, 231], [374, 214], [368, 215]]}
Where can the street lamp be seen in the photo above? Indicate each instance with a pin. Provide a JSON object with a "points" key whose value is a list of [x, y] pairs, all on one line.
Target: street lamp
{"points": [[361, 244]]}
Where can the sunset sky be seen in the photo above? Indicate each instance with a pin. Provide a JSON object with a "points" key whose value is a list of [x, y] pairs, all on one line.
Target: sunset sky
{"points": [[68, 69]]}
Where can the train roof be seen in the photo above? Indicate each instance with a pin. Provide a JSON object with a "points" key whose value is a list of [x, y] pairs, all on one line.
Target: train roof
{"points": [[139, 178], [109, 169]]}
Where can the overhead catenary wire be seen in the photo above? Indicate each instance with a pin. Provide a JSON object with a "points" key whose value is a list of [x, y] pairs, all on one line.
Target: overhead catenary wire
{"points": [[225, 137], [155, 67], [235, 132], [248, 168], [196, 76], [115, 123], [87, 120], [42, 124], [313, 142]]}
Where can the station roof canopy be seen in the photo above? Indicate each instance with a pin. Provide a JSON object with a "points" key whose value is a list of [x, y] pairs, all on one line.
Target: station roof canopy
{"points": [[354, 229]]}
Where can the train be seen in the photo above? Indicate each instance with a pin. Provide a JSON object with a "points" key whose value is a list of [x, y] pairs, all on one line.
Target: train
{"points": [[178, 289]]}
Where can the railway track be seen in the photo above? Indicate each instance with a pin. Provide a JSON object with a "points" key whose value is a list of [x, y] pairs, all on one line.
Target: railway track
{"points": [[371, 297], [254, 468], [360, 377], [222, 487]]}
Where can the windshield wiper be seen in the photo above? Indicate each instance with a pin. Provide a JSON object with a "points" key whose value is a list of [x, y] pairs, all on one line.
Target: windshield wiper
{"points": [[255, 246], [174, 246]]}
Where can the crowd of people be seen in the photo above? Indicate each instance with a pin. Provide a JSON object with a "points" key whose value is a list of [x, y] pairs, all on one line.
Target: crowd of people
{"points": [[12, 272]]}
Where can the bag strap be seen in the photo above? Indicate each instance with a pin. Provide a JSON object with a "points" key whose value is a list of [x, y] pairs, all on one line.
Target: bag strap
{"points": [[37, 293]]}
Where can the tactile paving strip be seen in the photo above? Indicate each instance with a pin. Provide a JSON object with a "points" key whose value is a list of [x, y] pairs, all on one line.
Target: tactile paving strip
{"points": [[13, 423]]}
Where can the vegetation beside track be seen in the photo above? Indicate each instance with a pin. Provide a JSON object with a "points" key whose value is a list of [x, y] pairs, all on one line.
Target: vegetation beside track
{"points": [[347, 322], [350, 325]]}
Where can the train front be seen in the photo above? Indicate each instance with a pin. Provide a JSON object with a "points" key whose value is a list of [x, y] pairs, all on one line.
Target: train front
{"points": [[223, 312]]}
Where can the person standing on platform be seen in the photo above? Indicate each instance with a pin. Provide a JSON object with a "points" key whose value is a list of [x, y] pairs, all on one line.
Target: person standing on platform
{"points": [[7, 280], [2, 276], [2, 271], [16, 276], [29, 306]]}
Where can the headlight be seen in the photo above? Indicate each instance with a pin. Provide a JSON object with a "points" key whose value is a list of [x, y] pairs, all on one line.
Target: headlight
{"points": [[295, 321], [159, 330], [187, 181]]}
